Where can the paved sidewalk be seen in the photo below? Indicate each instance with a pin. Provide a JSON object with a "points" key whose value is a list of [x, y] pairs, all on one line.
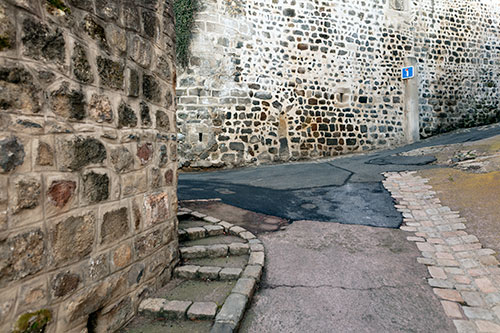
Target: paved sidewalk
{"points": [[330, 277], [464, 275]]}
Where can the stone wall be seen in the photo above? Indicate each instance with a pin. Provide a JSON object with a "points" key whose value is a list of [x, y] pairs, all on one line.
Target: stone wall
{"points": [[288, 80], [87, 160]]}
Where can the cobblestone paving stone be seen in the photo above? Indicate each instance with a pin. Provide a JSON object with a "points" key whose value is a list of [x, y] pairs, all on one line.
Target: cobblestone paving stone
{"points": [[464, 275]]}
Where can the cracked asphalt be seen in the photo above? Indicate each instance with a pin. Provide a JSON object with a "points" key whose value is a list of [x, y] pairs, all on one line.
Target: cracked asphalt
{"points": [[357, 273], [347, 189]]}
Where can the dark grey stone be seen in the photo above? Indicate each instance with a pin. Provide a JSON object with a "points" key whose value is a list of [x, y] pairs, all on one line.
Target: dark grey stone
{"points": [[150, 22], [11, 154], [110, 72], [146, 115], [14, 81], [133, 83], [40, 42], [151, 89], [94, 30], [126, 116], [81, 65], [95, 187], [263, 95], [87, 151], [162, 120], [238, 146]]}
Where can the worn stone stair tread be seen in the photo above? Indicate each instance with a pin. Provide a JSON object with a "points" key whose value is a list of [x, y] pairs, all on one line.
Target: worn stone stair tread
{"points": [[196, 290], [221, 239], [200, 232], [229, 261], [143, 324], [192, 272], [192, 224]]}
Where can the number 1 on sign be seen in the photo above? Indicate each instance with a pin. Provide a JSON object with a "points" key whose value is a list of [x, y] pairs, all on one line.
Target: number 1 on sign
{"points": [[407, 72]]}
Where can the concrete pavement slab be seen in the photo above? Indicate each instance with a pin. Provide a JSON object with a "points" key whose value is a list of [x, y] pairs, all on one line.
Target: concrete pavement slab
{"points": [[329, 277]]}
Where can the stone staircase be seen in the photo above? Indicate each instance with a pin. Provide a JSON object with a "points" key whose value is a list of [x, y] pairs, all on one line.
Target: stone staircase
{"points": [[220, 267]]}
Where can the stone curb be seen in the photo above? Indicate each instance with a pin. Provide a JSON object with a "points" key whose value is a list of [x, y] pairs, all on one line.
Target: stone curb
{"points": [[464, 275], [229, 317]]}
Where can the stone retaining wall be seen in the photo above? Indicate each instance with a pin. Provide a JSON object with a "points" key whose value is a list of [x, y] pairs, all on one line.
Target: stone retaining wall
{"points": [[87, 160], [288, 80]]}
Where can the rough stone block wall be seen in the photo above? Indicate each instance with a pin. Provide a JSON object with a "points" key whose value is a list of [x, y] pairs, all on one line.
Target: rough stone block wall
{"points": [[289, 80], [88, 161]]}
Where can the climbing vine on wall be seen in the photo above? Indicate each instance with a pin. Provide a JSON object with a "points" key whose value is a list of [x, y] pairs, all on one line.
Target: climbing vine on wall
{"points": [[185, 11]]}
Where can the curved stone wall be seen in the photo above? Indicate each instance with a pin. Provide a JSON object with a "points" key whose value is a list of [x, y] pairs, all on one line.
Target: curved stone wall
{"points": [[288, 80], [87, 161]]}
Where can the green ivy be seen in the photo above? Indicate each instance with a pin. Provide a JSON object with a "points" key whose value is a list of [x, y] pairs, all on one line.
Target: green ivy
{"points": [[59, 4], [185, 12]]}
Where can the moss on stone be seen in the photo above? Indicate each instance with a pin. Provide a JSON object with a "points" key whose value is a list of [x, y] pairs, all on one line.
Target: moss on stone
{"points": [[4, 43], [33, 322], [58, 4], [185, 12]]}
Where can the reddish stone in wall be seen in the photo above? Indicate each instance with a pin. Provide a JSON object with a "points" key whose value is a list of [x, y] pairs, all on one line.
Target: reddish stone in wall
{"points": [[145, 152], [169, 177], [156, 206], [61, 191]]}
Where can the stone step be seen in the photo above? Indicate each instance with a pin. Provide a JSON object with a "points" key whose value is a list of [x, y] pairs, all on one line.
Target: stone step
{"points": [[196, 290], [194, 233], [229, 261], [221, 239], [178, 310], [191, 224], [148, 324], [212, 273], [213, 251]]}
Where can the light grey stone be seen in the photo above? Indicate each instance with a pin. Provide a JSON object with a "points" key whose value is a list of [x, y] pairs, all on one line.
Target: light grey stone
{"points": [[256, 258], [256, 247], [472, 298], [152, 306], [477, 313], [464, 326], [217, 250], [192, 252], [238, 248], [253, 271], [236, 230], [226, 225], [214, 230], [198, 215], [186, 272], [247, 235], [195, 233], [176, 309], [209, 272], [211, 219], [232, 310], [230, 273], [245, 286], [202, 311]]}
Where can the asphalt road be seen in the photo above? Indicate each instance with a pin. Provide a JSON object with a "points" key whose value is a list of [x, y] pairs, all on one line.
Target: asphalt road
{"points": [[345, 190]]}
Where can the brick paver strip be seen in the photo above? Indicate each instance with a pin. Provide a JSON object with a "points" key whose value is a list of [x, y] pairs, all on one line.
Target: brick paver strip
{"points": [[464, 275]]}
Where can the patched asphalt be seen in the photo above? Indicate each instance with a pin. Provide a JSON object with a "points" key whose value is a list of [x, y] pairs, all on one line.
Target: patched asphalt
{"points": [[346, 190]]}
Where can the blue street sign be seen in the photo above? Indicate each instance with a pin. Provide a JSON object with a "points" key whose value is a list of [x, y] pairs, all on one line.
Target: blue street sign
{"points": [[407, 72]]}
